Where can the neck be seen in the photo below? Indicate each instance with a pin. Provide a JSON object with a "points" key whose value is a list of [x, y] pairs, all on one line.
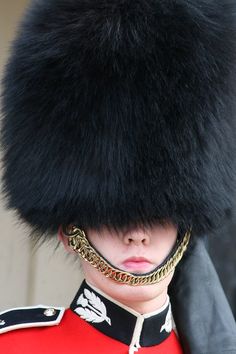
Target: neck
{"points": [[137, 304], [144, 307]]}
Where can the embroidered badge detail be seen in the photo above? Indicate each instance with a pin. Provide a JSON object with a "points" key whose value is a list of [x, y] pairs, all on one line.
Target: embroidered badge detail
{"points": [[93, 309], [167, 326]]}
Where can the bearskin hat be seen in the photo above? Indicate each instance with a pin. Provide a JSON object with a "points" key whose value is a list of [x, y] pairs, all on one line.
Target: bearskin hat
{"points": [[121, 112]]}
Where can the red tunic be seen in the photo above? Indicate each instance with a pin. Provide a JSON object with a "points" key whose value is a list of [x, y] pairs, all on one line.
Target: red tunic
{"points": [[75, 336]]}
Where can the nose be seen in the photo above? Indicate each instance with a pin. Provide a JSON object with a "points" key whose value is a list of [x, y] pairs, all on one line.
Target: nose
{"points": [[136, 237]]}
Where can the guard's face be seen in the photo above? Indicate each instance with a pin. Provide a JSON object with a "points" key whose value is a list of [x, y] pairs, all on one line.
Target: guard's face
{"points": [[136, 251]]}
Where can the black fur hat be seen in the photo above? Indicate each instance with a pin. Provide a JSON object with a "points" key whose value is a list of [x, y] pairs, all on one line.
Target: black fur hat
{"points": [[121, 112]]}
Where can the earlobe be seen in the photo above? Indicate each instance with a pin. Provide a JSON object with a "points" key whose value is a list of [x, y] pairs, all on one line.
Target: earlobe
{"points": [[62, 238]]}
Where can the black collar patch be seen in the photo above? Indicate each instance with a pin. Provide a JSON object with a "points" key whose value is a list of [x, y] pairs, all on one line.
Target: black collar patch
{"points": [[120, 322]]}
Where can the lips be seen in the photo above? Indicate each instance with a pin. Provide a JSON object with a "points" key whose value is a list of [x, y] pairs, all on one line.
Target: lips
{"points": [[137, 264]]}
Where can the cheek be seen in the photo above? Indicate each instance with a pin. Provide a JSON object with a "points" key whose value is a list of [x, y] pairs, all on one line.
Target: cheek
{"points": [[109, 247], [95, 278], [161, 248]]}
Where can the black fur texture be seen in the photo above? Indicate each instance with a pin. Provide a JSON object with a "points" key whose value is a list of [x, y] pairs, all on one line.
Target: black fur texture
{"points": [[120, 113]]}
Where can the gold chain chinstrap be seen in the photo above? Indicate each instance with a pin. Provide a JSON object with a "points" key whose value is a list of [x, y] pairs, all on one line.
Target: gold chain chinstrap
{"points": [[78, 241]]}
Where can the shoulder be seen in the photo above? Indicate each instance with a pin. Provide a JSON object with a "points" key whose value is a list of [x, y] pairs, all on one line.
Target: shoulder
{"points": [[25, 329], [43, 329], [30, 317]]}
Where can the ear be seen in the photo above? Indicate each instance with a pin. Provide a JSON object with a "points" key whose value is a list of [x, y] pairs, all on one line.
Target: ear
{"points": [[64, 239]]}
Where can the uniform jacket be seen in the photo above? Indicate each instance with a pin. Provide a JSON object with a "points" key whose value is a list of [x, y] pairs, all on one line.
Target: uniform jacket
{"points": [[95, 323]]}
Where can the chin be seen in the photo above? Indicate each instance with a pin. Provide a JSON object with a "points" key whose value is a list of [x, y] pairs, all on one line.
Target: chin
{"points": [[140, 293], [127, 294]]}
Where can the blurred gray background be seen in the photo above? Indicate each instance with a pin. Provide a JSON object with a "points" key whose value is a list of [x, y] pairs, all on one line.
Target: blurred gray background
{"points": [[31, 276]]}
